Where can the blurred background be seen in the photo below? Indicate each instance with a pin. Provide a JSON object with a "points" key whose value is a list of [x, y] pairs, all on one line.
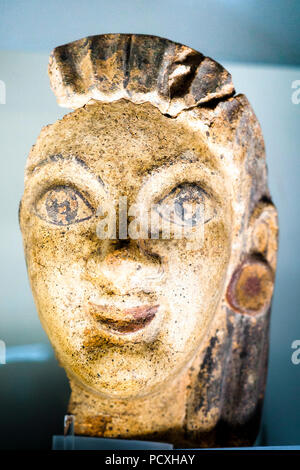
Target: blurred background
{"points": [[258, 41]]}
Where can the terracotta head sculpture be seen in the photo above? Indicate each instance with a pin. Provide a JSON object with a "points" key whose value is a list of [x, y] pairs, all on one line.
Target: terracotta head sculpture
{"points": [[161, 337]]}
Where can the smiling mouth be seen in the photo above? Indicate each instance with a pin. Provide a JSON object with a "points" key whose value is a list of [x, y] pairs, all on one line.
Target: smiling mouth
{"points": [[123, 321]]}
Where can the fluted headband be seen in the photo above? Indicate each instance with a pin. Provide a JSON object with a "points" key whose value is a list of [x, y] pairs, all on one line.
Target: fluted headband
{"points": [[139, 68]]}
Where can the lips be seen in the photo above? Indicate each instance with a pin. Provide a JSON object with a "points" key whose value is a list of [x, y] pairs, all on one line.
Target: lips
{"points": [[123, 321]]}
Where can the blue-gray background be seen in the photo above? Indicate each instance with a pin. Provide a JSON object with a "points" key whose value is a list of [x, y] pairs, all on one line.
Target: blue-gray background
{"points": [[259, 43]]}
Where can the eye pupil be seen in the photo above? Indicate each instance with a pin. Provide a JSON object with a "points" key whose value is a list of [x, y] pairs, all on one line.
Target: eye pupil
{"points": [[186, 205], [62, 206]]}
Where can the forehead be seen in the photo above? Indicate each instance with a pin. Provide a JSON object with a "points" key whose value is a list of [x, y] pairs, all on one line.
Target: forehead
{"points": [[122, 141]]}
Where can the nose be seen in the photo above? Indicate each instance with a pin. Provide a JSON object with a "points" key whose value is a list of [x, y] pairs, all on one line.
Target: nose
{"points": [[126, 268]]}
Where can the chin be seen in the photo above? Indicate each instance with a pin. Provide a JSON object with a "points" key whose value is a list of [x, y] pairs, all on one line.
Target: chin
{"points": [[125, 376]]}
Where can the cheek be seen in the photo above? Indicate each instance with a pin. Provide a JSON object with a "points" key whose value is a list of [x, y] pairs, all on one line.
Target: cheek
{"points": [[203, 264], [59, 295], [195, 279], [55, 266], [53, 247]]}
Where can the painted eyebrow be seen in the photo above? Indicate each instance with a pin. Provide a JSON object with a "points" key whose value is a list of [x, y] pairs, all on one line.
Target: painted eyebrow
{"points": [[186, 158], [158, 171], [58, 158]]}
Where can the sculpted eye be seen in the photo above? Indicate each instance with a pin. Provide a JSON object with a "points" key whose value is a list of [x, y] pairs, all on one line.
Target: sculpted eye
{"points": [[186, 205], [63, 205]]}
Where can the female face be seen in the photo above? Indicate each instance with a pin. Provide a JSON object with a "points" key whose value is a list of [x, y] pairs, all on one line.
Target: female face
{"points": [[124, 316]]}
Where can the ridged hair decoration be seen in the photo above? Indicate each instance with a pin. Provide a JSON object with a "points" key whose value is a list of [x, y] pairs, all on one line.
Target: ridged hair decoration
{"points": [[139, 68]]}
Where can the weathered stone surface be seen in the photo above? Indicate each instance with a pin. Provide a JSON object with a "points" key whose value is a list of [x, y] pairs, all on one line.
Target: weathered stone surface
{"points": [[162, 339]]}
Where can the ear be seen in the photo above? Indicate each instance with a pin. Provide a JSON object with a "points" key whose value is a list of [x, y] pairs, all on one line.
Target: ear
{"points": [[262, 237], [251, 287]]}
